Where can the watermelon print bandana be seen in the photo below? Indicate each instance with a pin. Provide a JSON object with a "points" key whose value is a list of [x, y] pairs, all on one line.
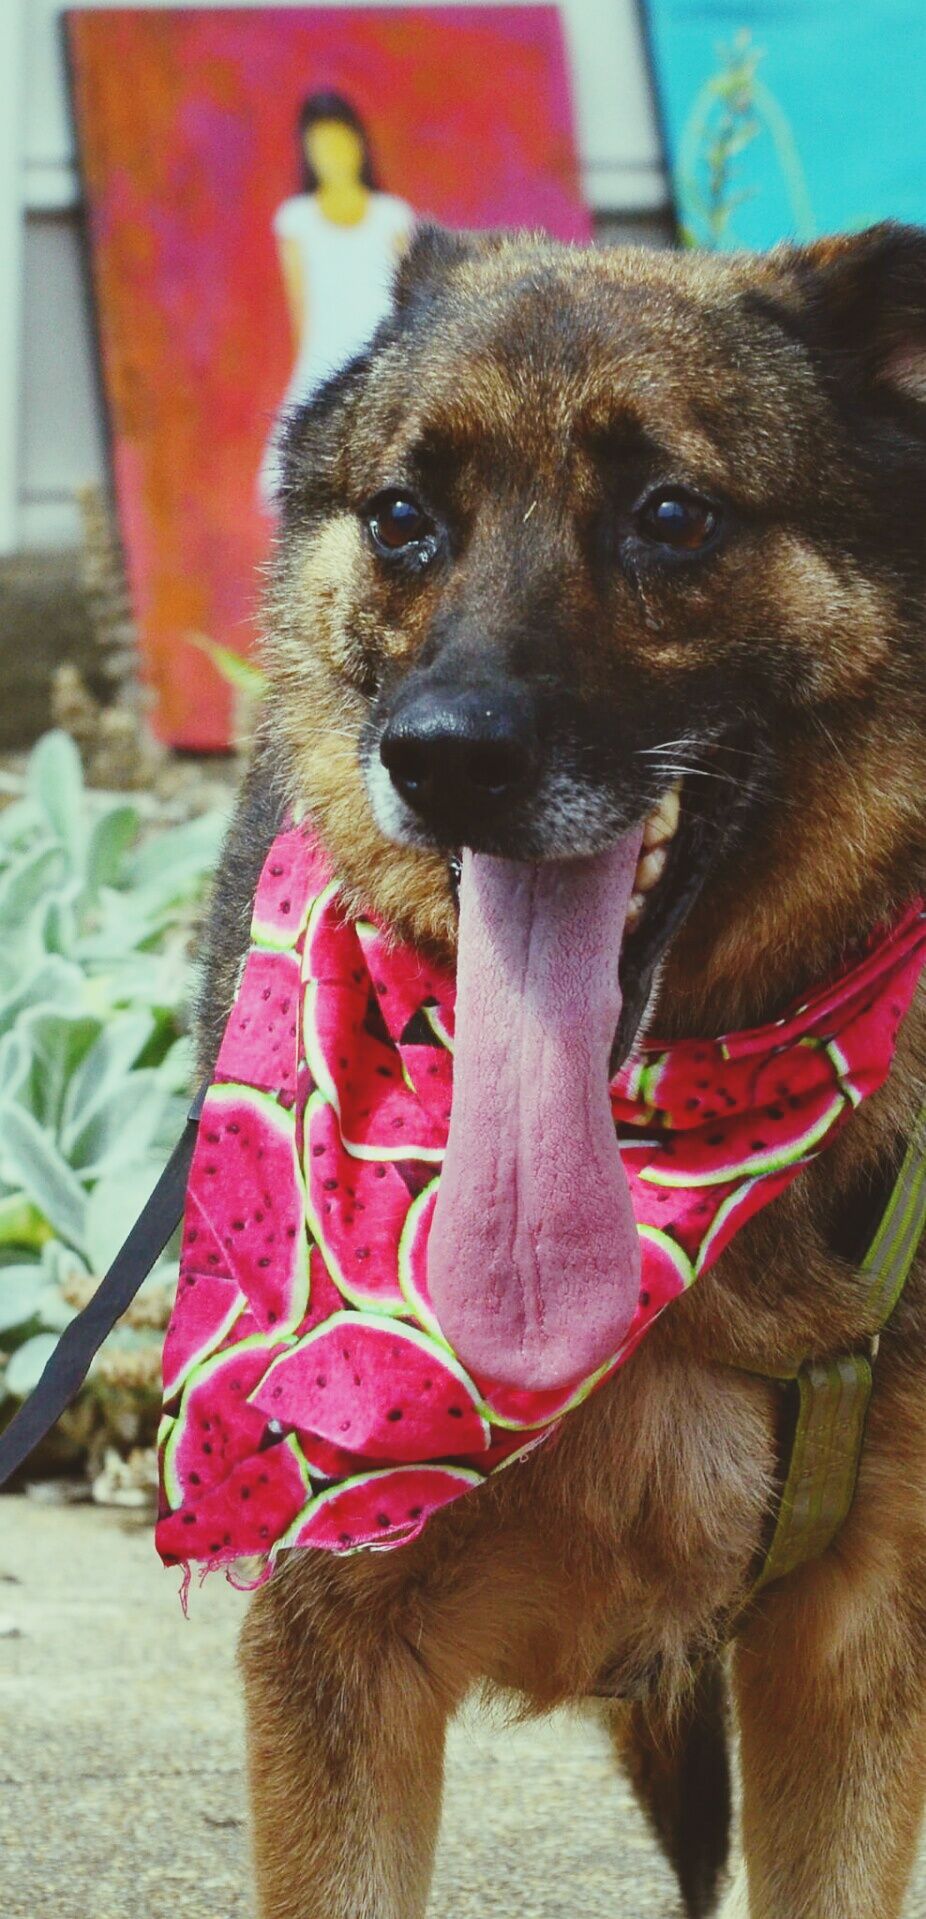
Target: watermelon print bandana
{"points": [[311, 1397]]}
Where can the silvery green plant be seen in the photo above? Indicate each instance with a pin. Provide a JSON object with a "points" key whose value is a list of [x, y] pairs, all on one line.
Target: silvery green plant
{"points": [[98, 900]]}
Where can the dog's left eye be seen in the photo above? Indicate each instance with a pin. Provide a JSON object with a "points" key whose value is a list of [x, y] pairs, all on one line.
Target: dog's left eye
{"points": [[397, 524], [678, 520]]}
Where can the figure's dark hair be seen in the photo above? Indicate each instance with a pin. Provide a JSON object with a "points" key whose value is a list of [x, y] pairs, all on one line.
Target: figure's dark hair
{"points": [[331, 106]]}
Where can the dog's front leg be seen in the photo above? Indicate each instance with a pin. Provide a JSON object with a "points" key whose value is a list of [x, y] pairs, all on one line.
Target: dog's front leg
{"points": [[831, 1698], [345, 1757]]}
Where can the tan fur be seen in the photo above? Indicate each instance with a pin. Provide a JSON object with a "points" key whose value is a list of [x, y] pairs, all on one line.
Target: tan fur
{"points": [[617, 1557]]}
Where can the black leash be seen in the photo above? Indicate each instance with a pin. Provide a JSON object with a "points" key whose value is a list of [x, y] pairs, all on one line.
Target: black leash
{"points": [[80, 1342]]}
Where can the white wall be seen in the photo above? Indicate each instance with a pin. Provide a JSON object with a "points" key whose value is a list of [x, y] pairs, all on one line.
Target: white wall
{"points": [[51, 433]]}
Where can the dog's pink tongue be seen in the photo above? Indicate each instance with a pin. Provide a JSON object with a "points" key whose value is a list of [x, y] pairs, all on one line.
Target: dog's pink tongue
{"points": [[534, 1260]]}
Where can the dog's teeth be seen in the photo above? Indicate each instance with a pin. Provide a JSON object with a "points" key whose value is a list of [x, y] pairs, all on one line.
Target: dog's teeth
{"points": [[635, 912], [663, 820], [650, 870]]}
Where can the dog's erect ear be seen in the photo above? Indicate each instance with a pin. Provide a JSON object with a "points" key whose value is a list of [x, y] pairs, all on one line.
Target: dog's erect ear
{"points": [[862, 300], [433, 255]]}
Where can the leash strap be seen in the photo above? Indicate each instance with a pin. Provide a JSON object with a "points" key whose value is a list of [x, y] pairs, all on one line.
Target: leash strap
{"points": [[70, 1362], [833, 1395]]}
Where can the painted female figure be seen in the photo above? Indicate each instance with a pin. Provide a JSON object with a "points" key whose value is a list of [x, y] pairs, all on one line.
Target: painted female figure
{"points": [[339, 240]]}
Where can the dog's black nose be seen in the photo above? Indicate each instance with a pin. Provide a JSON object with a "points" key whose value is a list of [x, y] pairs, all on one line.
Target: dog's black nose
{"points": [[461, 755]]}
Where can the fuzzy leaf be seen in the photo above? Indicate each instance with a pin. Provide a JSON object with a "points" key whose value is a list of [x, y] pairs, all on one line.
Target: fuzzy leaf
{"points": [[55, 982], [29, 1158], [55, 781], [178, 1067], [235, 671], [103, 1068], [27, 1364], [21, 1289], [110, 840], [15, 1068], [21, 1223], [18, 821], [27, 882], [114, 1206], [59, 922], [57, 1043], [127, 1127], [188, 851]]}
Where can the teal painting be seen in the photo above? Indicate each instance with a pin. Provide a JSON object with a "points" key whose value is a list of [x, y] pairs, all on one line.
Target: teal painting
{"points": [[788, 119]]}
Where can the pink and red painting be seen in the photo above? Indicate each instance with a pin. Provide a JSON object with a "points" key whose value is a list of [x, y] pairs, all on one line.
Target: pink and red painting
{"points": [[251, 176]]}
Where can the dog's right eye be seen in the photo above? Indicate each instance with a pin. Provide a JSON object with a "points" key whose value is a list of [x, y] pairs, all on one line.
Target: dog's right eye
{"points": [[397, 525], [677, 519]]}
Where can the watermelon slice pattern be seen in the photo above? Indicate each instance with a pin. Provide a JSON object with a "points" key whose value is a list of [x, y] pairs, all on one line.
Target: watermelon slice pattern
{"points": [[310, 1397]]}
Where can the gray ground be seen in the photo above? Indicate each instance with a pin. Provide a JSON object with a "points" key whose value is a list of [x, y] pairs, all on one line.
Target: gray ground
{"points": [[121, 1758]]}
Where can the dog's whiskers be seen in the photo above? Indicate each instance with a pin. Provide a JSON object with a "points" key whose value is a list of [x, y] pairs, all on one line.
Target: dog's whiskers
{"points": [[679, 771]]}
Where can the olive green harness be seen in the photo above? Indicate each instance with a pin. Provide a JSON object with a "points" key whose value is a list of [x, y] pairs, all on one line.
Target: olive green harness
{"points": [[833, 1394]]}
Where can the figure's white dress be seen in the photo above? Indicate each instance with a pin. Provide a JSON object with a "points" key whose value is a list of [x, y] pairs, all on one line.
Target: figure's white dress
{"points": [[346, 277]]}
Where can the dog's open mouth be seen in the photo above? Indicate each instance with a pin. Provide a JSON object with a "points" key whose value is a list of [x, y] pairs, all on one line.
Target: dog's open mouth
{"points": [[534, 1257], [681, 839]]}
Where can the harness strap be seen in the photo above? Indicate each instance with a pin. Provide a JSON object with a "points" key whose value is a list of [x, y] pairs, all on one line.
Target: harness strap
{"points": [[833, 1394], [80, 1342]]}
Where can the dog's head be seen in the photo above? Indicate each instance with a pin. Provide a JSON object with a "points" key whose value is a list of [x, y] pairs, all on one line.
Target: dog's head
{"points": [[588, 534]]}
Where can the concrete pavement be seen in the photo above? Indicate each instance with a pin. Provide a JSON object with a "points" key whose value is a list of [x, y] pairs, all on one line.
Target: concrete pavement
{"points": [[122, 1792]]}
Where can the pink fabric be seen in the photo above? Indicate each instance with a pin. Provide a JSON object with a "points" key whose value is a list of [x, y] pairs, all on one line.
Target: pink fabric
{"points": [[330, 1379]]}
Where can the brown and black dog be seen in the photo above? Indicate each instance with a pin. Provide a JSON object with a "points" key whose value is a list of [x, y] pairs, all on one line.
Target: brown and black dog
{"points": [[579, 526]]}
